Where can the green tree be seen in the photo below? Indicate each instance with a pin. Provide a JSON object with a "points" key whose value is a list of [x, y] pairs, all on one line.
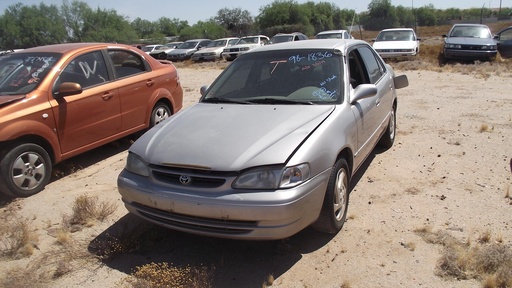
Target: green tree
{"points": [[29, 26], [237, 21], [170, 27], [209, 30], [74, 16], [426, 16], [406, 18], [107, 26], [381, 15]]}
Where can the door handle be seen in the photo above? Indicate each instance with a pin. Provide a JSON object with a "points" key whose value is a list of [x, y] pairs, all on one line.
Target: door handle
{"points": [[107, 96], [150, 82]]}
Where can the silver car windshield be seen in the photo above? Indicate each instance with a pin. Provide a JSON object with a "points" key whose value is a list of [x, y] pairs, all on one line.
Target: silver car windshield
{"points": [[281, 77], [471, 31], [21, 73]]}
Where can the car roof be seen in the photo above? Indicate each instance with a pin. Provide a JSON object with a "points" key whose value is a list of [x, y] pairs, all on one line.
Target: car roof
{"points": [[339, 44], [470, 24], [398, 29], [198, 40], [67, 47], [331, 32], [293, 33]]}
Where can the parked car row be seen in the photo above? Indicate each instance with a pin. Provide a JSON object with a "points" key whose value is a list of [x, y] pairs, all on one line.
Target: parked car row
{"points": [[463, 42]]}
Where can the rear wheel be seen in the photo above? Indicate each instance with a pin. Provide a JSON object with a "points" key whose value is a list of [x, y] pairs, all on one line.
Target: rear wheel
{"points": [[334, 209], [388, 138], [25, 170], [160, 112]]}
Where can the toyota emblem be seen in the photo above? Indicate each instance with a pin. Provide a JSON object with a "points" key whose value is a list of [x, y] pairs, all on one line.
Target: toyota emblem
{"points": [[185, 180]]}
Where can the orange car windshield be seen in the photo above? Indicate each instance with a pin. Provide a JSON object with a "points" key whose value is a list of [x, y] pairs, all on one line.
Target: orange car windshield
{"points": [[20, 73]]}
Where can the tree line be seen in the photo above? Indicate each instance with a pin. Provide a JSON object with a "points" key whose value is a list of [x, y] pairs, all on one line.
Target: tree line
{"points": [[23, 26]]}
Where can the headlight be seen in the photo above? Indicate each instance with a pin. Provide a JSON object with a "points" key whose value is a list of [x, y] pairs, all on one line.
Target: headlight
{"points": [[272, 177], [136, 165], [244, 49], [453, 46], [489, 47]]}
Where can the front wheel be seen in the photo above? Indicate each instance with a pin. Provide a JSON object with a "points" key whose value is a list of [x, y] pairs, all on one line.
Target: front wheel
{"points": [[335, 206], [159, 113], [25, 170]]}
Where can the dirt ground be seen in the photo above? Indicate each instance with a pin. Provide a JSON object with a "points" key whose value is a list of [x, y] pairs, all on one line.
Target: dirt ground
{"points": [[449, 171]]}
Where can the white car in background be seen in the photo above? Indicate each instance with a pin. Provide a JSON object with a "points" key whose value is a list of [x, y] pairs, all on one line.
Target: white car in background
{"points": [[334, 34], [214, 50], [150, 48], [161, 53], [397, 42], [245, 44]]}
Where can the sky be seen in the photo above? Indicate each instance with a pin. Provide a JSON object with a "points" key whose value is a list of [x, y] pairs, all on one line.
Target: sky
{"points": [[202, 10]]}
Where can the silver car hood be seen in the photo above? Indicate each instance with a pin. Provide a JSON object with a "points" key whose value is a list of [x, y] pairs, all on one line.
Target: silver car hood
{"points": [[230, 137]]}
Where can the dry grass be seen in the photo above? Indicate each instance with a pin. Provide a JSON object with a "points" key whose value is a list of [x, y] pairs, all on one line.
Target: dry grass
{"points": [[486, 260], [163, 275], [87, 209], [17, 240]]}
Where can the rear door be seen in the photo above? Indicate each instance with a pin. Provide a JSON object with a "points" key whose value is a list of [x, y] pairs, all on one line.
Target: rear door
{"points": [[505, 43], [136, 85]]}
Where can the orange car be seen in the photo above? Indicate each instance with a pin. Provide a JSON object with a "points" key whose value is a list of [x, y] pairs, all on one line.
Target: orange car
{"points": [[58, 101]]}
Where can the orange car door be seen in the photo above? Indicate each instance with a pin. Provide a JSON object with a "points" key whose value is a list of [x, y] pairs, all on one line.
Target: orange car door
{"points": [[93, 115]]}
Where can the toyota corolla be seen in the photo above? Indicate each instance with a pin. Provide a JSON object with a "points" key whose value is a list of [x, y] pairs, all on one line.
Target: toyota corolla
{"points": [[271, 146]]}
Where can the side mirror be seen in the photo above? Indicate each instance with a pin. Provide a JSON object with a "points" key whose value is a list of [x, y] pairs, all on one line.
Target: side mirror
{"points": [[203, 89], [363, 91], [445, 36], [68, 88], [401, 81]]}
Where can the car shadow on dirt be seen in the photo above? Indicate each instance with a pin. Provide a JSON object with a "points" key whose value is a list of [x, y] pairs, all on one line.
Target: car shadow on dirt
{"points": [[132, 242], [231, 263]]}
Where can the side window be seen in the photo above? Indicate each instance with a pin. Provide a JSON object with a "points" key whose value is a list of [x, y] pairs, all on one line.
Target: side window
{"points": [[357, 71], [126, 63], [373, 66], [87, 70], [506, 35]]}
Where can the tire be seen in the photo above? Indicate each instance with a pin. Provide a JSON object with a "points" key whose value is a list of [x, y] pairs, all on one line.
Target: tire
{"points": [[388, 138], [335, 206], [160, 112], [25, 170]]}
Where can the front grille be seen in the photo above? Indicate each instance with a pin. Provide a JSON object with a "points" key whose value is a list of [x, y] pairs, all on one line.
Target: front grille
{"points": [[194, 181], [191, 177], [475, 47], [222, 226]]}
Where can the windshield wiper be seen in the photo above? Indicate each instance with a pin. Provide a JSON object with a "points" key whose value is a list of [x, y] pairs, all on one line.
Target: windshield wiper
{"points": [[279, 101], [223, 100]]}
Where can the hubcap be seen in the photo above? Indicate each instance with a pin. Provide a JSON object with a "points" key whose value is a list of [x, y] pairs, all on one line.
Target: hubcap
{"points": [[28, 170], [340, 194], [160, 115], [392, 125]]}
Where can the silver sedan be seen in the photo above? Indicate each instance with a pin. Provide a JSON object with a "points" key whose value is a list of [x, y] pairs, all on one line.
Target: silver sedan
{"points": [[271, 146]]}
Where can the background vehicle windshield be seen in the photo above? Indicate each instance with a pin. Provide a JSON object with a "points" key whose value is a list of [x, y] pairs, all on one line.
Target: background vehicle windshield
{"points": [[313, 76], [395, 36], [188, 45], [22, 73], [281, 38], [471, 31]]}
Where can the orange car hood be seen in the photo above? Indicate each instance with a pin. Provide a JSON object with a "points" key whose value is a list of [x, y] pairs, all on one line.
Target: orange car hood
{"points": [[4, 100]]}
